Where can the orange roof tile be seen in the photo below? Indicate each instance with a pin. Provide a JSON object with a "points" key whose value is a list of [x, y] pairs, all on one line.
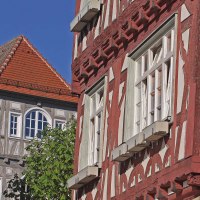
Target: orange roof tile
{"points": [[24, 70]]}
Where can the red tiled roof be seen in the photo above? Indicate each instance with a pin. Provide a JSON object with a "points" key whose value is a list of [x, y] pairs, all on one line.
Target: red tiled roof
{"points": [[24, 70]]}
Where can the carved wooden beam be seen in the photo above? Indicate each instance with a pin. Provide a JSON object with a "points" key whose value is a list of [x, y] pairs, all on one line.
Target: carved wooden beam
{"points": [[193, 180]]}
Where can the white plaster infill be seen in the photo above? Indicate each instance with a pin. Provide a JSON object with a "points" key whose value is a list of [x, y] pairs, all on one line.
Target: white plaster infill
{"points": [[85, 15], [83, 177]]}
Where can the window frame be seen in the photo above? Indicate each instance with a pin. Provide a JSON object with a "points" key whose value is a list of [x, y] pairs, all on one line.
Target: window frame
{"points": [[100, 84], [154, 78], [62, 121], [43, 112], [19, 124], [94, 119], [140, 50]]}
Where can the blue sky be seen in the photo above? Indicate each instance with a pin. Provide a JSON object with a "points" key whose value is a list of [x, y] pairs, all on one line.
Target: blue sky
{"points": [[46, 24]]}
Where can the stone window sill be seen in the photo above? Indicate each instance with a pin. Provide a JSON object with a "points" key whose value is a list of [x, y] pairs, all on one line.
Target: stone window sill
{"points": [[83, 177], [139, 142], [85, 16]]}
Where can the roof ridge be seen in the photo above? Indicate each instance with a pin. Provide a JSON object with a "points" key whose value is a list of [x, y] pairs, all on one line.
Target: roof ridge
{"points": [[11, 52], [46, 62]]}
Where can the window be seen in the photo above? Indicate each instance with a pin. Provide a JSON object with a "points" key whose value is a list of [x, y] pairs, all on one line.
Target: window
{"points": [[15, 124], [35, 122], [153, 82], [60, 124], [96, 112]]}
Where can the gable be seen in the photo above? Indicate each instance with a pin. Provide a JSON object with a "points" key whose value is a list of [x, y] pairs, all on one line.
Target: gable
{"points": [[22, 66]]}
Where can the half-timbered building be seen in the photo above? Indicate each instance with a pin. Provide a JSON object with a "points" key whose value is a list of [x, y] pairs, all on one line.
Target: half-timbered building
{"points": [[136, 67], [32, 96]]}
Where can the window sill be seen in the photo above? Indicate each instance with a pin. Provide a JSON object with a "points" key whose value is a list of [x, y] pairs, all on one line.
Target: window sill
{"points": [[83, 177], [139, 142], [85, 16], [14, 137], [121, 153], [156, 131]]}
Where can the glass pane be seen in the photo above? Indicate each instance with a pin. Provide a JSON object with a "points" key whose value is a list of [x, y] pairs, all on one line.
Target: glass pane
{"points": [[40, 116], [44, 119], [11, 118], [146, 63], [15, 131], [27, 132], [156, 53], [39, 134], [99, 122], [28, 115], [27, 122], [40, 125], [32, 123], [11, 125], [139, 68], [15, 119], [32, 132], [45, 124], [15, 125], [93, 104], [33, 115], [100, 94]]}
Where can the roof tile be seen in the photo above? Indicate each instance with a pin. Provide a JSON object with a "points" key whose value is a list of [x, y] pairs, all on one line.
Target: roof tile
{"points": [[24, 70]]}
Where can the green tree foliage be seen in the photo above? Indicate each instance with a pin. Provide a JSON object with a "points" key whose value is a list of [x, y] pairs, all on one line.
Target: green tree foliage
{"points": [[17, 189], [50, 164]]}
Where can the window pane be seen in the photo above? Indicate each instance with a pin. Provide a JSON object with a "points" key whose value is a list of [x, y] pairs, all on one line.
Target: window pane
{"points": [[27, 132], [33, 115], [139, 68], [32, 123], [146, 63], [44, 119], [39, 135], [40, 125], [11, 125], [40, 116], [32, 132], [15, 119], [45, 124], [27, 122], [157, 52]]}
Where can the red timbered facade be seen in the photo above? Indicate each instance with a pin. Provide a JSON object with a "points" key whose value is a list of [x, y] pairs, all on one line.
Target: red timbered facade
{"points": [[136, 69]]}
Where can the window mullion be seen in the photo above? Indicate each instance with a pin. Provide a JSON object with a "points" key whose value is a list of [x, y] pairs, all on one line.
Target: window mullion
{"points": [[164, 77], [165, 46], [149, 99], [156, 117], [170, 84], [172, 40], [36, 123]]}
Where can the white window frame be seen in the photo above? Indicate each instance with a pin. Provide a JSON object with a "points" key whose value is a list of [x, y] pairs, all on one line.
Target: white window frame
{"points": [[49, 120], [61, 121], [19, 124], [96, 120], [141, 50], [154, 82]]}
